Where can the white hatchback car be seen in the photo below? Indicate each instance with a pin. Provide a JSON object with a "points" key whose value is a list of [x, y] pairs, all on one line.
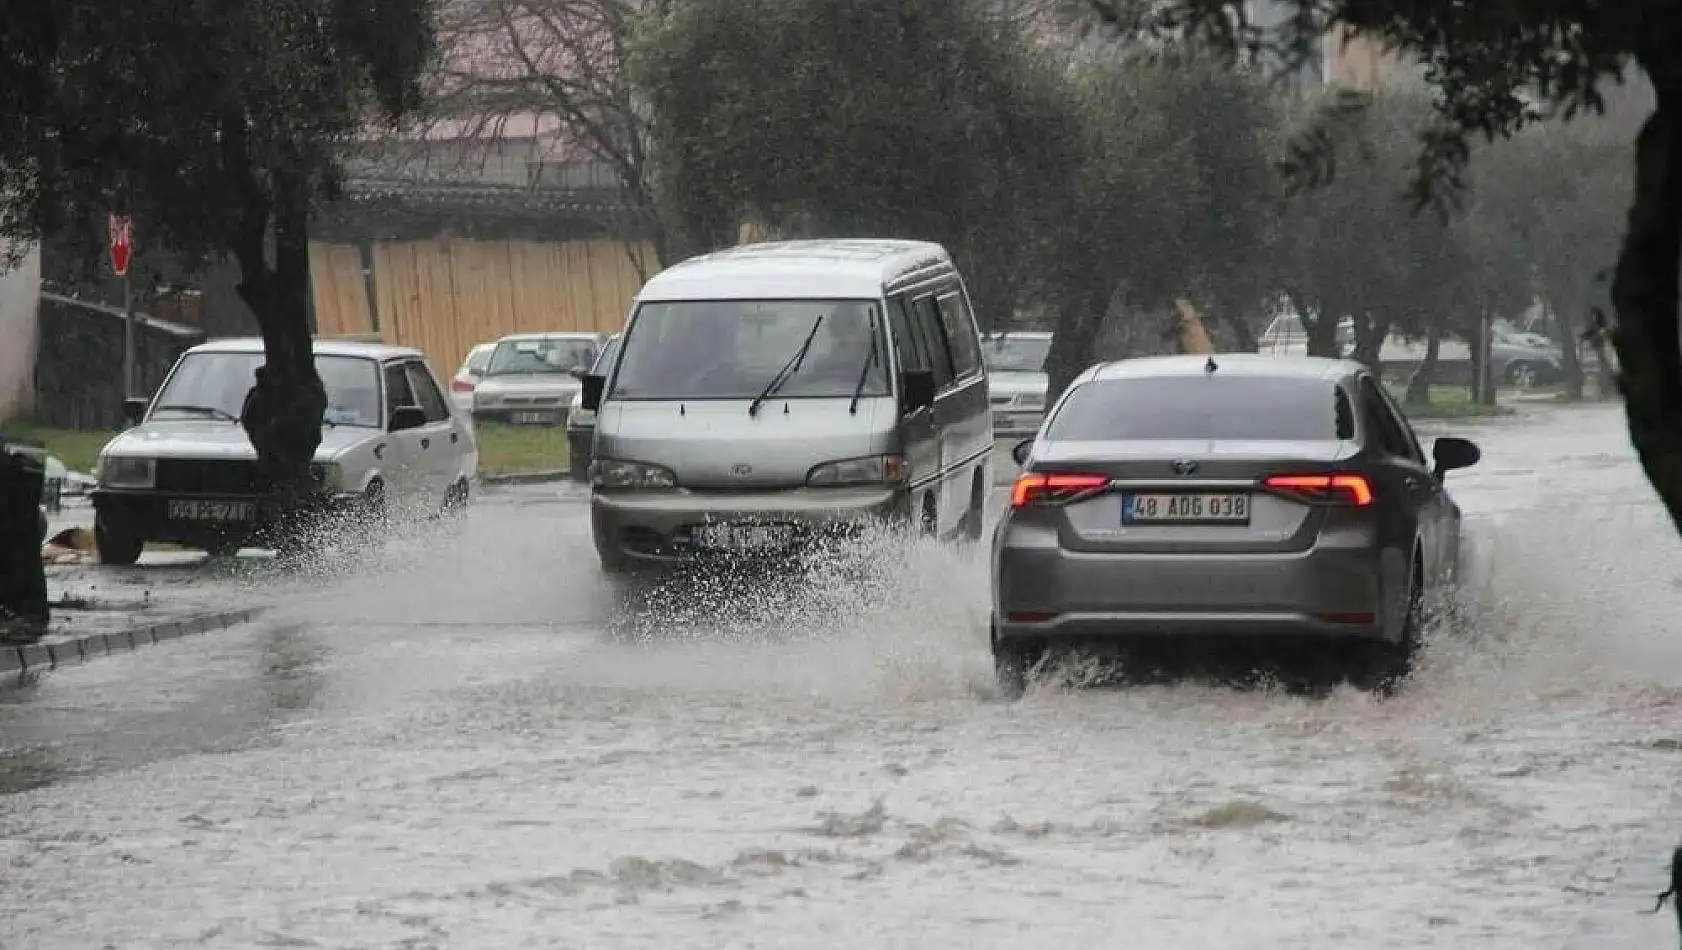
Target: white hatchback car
{"points": [[467, 378], [186, 472]]}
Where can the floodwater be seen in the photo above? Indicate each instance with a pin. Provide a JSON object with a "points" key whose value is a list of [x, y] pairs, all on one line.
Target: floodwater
{"points": [[467, 742]]}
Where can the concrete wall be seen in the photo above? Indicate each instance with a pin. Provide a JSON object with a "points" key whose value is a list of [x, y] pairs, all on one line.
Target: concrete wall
{"points": [[20, 332]]}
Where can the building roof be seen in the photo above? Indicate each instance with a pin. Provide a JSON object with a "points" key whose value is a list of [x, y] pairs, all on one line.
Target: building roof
{"points": [[816, 269], [322, 347], [1227, 364]]}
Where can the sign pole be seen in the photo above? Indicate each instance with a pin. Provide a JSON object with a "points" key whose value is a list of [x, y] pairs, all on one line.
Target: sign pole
{"points": [[128, 336]]}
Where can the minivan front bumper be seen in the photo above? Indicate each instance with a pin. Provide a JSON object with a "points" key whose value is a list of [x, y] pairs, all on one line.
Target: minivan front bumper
{"points": [[659, 527]]}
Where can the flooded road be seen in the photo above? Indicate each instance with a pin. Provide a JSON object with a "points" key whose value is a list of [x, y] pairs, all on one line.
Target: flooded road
{"points": [[465, 744]]}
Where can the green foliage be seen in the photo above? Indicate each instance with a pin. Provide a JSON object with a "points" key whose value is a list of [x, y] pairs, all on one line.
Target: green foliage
{"points": [[920, 119]]}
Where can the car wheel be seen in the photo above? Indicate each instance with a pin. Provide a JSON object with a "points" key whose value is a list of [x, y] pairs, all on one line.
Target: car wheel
{"points": [[976, 517], [1013, 664], [1383, 667], [222, 547], [118, 540], [456, 498]]}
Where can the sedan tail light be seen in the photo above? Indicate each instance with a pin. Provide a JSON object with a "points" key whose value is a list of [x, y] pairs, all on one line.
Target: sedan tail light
{"points": [[459, 385], [1352, 490], [1043, 487]]}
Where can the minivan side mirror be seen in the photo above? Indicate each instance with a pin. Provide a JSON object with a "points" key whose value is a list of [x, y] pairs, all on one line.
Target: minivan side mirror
{"points": [[1020, 451], [406, 417], [134, 408], [916, 390], [1450, 453], [590, 399]]}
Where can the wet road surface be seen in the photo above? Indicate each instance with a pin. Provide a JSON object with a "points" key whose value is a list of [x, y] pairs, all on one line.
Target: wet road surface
{"points": [[467, 742]]}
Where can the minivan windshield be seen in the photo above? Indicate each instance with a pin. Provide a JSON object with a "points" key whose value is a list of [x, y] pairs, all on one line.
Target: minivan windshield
{"points": [[1214, 407], [1016, 354], [733, 349], [214, 386], [542, 356]]}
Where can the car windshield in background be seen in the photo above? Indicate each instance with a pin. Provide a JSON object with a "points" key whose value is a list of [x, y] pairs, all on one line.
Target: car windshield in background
{"points": [[605, 360], [214, 386], [1214, 407], [1016, 355], [540, 357], [733, 349]]}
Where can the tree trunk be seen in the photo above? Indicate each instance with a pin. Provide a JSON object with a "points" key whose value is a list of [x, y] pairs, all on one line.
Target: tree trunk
{"points": [[1076, 337], [1370, 333], [23, 585], [1419, 385], [1322, 333], [1644, 290], [1571, 361], [284, 410]]}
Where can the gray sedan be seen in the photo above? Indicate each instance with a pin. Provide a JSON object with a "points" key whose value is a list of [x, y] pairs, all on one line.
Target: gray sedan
{"points": [[1234, 495]]}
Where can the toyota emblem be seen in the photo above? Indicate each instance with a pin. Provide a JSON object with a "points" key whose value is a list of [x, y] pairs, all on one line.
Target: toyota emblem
{"points": [[741, 469], [1185, 467]]}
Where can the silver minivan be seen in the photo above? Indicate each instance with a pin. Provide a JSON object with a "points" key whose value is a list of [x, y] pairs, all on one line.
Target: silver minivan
{"points": [[768, 395]]}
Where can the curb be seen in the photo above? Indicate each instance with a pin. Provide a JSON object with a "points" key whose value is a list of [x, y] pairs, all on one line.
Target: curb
{"points": [[34, 658], [525, 478]]}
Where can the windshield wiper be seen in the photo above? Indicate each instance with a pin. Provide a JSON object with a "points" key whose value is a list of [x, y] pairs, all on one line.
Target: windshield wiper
{"points": [[864, 371], [788, 368], [205, 410]]}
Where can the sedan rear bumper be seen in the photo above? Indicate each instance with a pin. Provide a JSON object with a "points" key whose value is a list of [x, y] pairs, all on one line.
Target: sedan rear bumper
{"points": [[1053, 593]]}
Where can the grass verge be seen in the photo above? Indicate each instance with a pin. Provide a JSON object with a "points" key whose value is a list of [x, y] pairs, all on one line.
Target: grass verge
{"points": [[77, 449], [517, 450], [1447, 402], [503, 450]]}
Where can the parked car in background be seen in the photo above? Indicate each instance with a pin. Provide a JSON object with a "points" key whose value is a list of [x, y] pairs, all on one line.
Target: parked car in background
{"points": [[186, 472], [1230, 495], [467, 378], [770, 396], [1517, 358], [581, 422], [1016, 380], [529, 378]]}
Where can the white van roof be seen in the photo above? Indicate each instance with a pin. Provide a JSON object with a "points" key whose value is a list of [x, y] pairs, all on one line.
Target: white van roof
{"points": [[827, 269]]}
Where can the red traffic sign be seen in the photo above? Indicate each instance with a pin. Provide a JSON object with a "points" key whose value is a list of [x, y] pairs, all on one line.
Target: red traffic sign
{"points": [[122, 244]]}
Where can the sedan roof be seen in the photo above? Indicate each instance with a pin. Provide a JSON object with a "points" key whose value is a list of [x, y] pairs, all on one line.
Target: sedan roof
{"points": [[1230, 364]]}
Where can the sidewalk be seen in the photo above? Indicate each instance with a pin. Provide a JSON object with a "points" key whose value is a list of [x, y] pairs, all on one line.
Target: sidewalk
{"points": [[101, 609]]}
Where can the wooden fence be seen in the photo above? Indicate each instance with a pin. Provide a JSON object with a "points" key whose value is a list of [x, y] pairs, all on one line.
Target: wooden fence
{"points": [[444, 296]]}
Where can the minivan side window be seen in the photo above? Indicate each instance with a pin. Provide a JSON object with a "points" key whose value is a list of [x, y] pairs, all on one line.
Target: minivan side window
{"points": [[960, 334], [906, 344], [925, 322]]}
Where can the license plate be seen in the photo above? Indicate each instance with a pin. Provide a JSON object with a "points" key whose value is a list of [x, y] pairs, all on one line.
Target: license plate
{"points": [[1229, 508], [532, 418], [212, 510], [742, 537]]}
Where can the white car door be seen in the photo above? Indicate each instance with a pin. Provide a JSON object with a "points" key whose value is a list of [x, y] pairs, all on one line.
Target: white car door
{"points": [[401, 460], [441, 439]]}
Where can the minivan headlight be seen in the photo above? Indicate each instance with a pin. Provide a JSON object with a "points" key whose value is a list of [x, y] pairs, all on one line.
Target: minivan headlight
{"points": [[612, 473], [116, 471], [872, 470]]}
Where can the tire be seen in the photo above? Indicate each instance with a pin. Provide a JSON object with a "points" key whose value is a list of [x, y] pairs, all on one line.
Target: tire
{"points": [[1383, 667], [975, 519], [119, 543], [456, 498], [928, 518], [1013, 664]]}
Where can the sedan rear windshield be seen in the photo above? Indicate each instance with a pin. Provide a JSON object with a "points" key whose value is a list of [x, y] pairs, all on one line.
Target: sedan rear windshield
{"points": [[1240, 408]]}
